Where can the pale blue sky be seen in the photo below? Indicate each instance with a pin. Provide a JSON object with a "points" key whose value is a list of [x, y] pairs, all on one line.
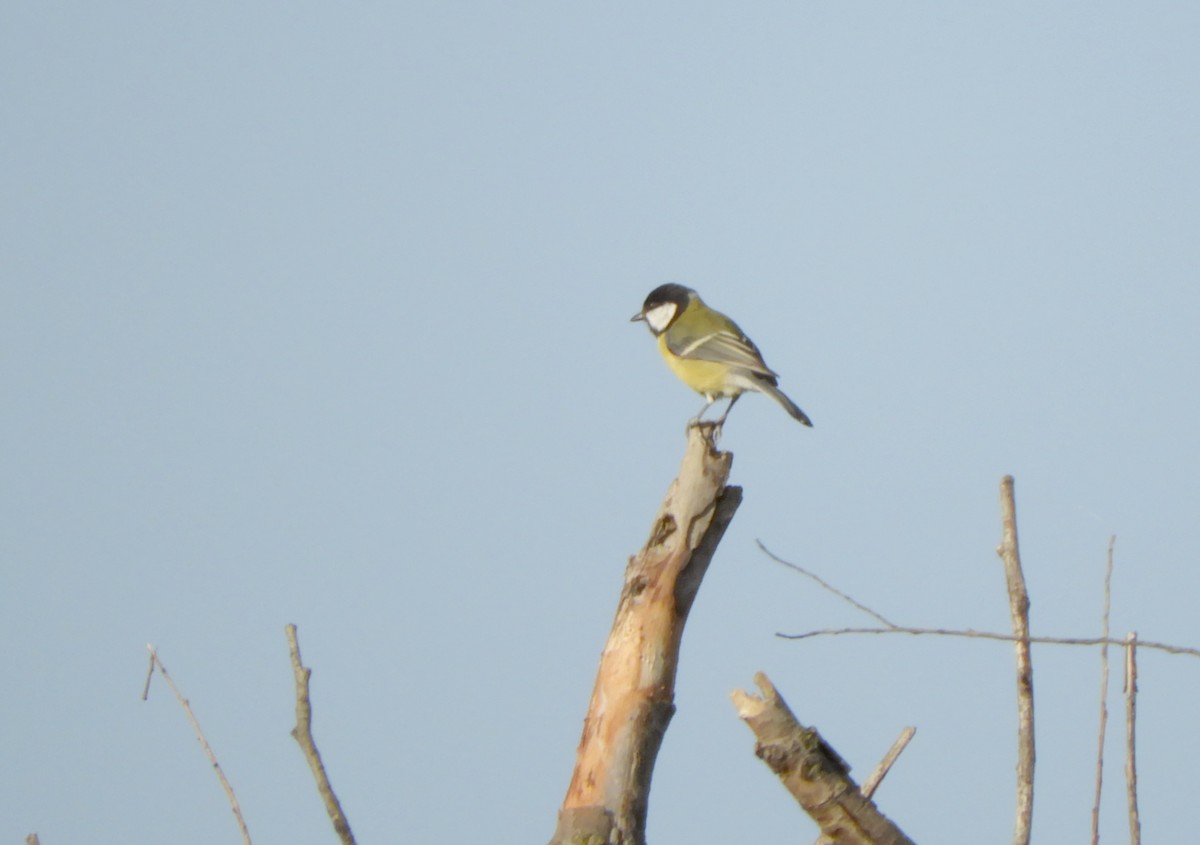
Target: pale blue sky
{"points": [[318, 314]]}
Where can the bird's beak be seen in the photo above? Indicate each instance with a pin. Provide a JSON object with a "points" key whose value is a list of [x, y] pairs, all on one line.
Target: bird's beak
{"points": [[641, 315]]}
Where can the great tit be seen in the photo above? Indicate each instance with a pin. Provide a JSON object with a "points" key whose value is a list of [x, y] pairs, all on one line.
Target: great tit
{"points": [[707, 351]]}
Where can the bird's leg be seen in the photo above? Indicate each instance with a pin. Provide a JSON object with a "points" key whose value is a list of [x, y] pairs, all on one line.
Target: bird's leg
{"points": [[728, 408], [708, 404]]}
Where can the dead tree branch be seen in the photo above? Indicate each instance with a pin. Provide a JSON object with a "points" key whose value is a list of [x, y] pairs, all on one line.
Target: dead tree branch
{"points": [[813, 772], [892, 628], [1018, 604], [1135, 823], [633, 698], [212, 758], [302, 733], [826, 585], [969, 633], [885, 765], [1103, 729]]}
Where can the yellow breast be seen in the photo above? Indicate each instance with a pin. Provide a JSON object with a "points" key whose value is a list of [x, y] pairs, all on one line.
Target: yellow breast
{"points": [[705, 377]]}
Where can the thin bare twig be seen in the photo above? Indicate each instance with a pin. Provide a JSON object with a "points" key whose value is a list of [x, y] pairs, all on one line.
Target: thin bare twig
{"points": [[1108, 569], [885, 765], [1018, 604], [876, 777], [149, 676], [892, 628], [1135, 824], [187, 708], [302, 733], [878, 616], [988, 635]]}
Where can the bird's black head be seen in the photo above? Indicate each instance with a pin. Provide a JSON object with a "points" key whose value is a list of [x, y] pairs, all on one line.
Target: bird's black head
{"points": [[664, 304], [669, 292]]}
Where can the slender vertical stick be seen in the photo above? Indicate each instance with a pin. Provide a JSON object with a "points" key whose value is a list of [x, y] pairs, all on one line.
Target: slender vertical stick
{"points": [[212, 758], [1103, 693], [1018, 603], [1135, 824], [302, 733]]}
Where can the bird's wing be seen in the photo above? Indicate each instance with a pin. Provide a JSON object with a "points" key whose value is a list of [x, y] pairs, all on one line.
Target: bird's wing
{"points": [[722, 347]]}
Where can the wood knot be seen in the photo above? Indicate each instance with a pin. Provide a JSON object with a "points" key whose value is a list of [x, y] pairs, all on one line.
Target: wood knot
{"points": [[773, 756], [663, 529]]}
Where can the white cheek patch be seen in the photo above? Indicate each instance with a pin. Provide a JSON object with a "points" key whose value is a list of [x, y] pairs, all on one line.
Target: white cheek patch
{"points": [[660, 316]]}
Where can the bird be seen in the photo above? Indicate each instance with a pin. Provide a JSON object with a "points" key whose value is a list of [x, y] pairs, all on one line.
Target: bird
{"points": [[707, 350]]}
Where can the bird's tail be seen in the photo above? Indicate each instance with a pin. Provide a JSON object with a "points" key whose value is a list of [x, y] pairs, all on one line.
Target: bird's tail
{"points": [[780, 397]]}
